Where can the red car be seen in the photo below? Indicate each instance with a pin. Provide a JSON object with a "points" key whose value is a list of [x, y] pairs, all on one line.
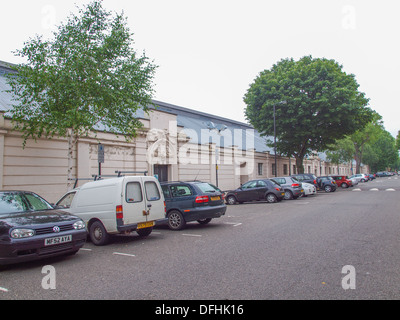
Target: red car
{"points": [[343, 181]]}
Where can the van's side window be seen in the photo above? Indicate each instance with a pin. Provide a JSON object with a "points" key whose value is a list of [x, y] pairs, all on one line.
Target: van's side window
{"points": [[66, 201], [152, 192], [133, 192]]}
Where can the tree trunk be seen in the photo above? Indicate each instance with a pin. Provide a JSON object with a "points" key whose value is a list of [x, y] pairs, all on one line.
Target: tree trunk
{"points": [[299, 164], [357, 157], [72, 139]]}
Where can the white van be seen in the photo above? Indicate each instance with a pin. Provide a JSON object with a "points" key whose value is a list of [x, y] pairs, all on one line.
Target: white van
{"points": [[117, 205]]}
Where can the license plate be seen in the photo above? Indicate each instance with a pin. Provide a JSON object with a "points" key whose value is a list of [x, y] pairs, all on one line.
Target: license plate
{"points": [[147, 224], [57, 240], [302, 190], [215, 198], [282, 193]]}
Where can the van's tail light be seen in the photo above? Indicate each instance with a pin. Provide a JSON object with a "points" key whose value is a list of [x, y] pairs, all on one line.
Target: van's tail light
{"points": [[201, 199], [119, 212], [315, 181], [295, 185], [165, 207], [278, 189]]}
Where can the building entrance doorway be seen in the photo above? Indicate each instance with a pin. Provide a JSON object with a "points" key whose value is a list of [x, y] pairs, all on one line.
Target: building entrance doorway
{"points": [[161, 170]]}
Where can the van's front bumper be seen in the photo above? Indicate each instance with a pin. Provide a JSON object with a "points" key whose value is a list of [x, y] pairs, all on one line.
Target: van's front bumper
{"points": [[132, 227]]}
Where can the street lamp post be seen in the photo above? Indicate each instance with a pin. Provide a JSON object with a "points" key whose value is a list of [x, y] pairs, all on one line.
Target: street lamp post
{"points": [[276, 168], [219, 129]]}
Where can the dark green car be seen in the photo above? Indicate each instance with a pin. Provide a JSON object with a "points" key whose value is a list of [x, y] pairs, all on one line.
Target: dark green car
{"points": [[192, 201]]}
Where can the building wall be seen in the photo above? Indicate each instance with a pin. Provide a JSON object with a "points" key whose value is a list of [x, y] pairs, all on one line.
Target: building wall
{"points": [[42, 165]]}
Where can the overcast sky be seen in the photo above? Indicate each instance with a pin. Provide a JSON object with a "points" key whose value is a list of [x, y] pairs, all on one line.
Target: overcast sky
{"points": [[209, 52]]}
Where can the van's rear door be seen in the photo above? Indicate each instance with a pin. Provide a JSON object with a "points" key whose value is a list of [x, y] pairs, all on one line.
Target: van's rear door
{"points": [[155, 204], [133, 200], [143, 200]]}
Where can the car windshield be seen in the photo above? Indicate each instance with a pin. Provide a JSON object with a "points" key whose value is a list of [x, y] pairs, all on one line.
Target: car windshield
{"points": [[15, 202], [206, 187]]}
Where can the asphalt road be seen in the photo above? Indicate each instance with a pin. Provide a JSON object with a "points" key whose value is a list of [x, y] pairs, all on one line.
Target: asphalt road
{"points": [[295, 249]]}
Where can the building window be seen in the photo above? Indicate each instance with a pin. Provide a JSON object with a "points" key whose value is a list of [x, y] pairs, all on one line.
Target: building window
{"points": [[285, 169], [260, 169], [273, 169]]}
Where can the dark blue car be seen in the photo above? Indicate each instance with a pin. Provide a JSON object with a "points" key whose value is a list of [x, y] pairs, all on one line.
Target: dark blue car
{"points": [[192, 201]]}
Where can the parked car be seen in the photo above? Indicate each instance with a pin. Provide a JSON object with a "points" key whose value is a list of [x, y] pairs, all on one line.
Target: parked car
{"points": [[31, 229], [326, 183], [306, 177], [292, 187], [309, 189], [256, 190], [360, 177], [371, 176], [382, 174], [117, 205], [192, 201], [343, 181]]}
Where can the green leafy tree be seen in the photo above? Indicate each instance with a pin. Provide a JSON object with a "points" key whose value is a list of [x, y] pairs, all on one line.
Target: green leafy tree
{"points": [[382, 153], [342, 151], [87, 76], [322, 104], [364, 136]]}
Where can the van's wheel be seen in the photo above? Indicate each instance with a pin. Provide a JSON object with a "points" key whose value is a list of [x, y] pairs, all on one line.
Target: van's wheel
{"points": [[98, 234], [144, 232], [176, 220], [345, 185], [328, 189]]}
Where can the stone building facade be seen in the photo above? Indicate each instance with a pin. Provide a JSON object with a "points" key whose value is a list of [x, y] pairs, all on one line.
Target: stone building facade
{"points": [[175, 143]]}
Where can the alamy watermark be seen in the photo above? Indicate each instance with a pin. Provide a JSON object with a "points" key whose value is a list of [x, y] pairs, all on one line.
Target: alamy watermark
{"points": [[49, 280], [349, 280], [202, 147]]}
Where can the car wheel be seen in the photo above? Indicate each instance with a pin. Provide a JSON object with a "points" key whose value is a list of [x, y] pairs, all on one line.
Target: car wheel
{"points": [[176, 220], [345, 185], [98, 234], [328, 189], [144, 232], [231, 200], [204, 221], [288, 195], [271, 198]]}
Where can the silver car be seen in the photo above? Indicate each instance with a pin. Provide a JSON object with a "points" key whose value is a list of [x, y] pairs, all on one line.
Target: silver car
{"points": [[359, 177]]}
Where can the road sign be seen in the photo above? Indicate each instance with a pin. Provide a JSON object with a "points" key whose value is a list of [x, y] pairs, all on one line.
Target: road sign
{"points": [[100, 153]]}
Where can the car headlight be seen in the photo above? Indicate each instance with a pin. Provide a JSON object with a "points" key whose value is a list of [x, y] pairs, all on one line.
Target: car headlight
{"points": [[22, 233], [79, 225]]}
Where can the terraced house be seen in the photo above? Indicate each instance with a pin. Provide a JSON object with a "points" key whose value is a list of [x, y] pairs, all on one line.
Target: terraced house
{"points": [[176, 143]]}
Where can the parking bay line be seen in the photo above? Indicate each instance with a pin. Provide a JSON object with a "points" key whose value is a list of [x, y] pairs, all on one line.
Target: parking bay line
{"points": [[124, 254], [191, 235], [235, 224]]}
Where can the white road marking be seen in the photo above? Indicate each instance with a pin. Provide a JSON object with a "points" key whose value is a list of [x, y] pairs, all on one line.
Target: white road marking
{"points": [[85, 249], [357, 189], [3, 289], [235, 224], [374, 189], [191, 235], [390, 189], [124, 254]]}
